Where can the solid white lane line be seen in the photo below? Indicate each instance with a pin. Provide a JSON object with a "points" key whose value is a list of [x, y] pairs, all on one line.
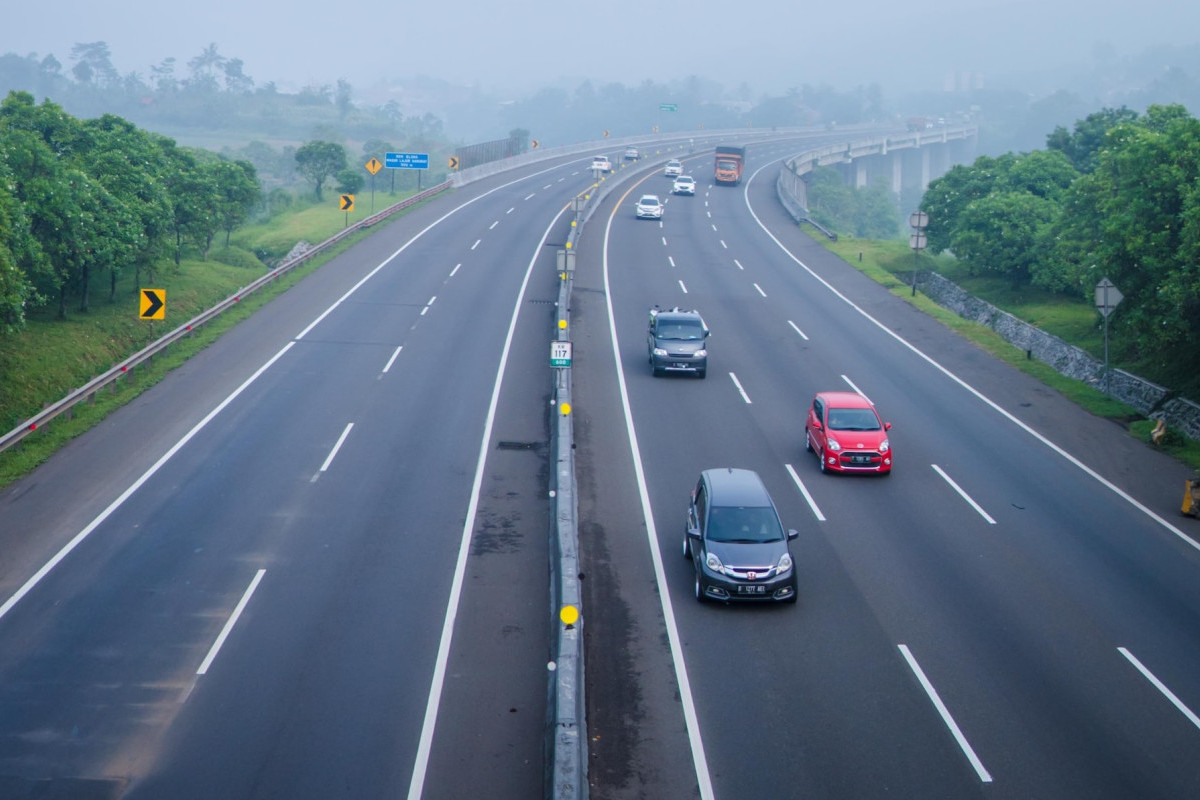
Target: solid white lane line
{"points": [[686, 699], [37, 577], [804, 491], [229, 623], [438, 680], [759, 288], [963, 494], [683, 286], [341, 440], [741, 391], [739, 264], [1105, 482], [1167, 693], [797, 330], [392, 360], [57, 558], [857, 390], [946, 718]]}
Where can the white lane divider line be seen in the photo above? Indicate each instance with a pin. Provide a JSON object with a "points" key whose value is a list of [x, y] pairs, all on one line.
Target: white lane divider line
{"points": [[683, 286], [946, 718], [1162, 687], [739, 264], [338, 446], [530, 196], [477, 241], [857, 390], [759, 288], [804, 491], [456, 266], [741, 391], [724, 245], [963, 494], [493, 225], [392, 360], [229, 623], [510, 210], [797, 330], [671, 261], [664, 241], [428, 305], [714, 226]]}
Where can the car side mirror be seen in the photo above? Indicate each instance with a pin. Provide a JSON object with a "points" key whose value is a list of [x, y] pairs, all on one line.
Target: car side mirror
{"points": [[792, 533], [887, 426]]}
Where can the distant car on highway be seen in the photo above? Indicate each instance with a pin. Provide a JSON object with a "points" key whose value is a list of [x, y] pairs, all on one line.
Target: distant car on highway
{"points": [[631, 154], [846, 433], [601, 164], [674, 168], [735, 540], [649, 207], [684, 184]]}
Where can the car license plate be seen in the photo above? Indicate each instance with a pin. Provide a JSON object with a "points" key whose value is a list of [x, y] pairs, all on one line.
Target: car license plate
{"points": [[752, 590], [857, 459]]}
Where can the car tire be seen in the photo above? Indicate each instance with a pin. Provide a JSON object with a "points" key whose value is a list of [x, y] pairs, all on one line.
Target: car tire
{"points": [[807, 442], [687, 546], [698, 590], [821, 460]]}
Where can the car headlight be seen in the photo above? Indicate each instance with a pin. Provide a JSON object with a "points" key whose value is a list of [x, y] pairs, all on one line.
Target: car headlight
{"points": [[658, 351], [833, 444], [714, 563], [785, 563], [701, 353], [884, 445]]}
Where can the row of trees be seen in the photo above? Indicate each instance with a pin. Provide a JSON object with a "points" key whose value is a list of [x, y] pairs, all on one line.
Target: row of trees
{"points": [[1118, 196], [85, 201]]}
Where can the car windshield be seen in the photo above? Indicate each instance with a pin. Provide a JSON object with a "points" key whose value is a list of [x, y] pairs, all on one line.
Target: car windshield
{"points": [[853, 419], [684, 180], [752, 524], [726, 165], [674, 164], [681, 331], [649, 201]]}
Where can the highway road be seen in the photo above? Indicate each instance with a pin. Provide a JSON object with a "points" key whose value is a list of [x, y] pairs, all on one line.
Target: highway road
{"points": [[313, 562], [1012, 613]]}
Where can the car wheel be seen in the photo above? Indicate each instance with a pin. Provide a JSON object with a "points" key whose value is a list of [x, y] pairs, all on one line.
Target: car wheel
{"points": [[807, 442], [698, 589], [821, 460], [687, 546]]}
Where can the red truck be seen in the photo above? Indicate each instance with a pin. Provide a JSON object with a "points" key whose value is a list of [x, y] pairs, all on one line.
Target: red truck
{"points": [[730, 159]]}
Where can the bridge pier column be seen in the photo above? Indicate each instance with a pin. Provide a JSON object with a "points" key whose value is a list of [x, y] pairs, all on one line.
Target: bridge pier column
{"points": [[897, 172]]}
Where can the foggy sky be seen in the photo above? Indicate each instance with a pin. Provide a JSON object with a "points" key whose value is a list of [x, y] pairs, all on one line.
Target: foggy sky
{"points": [[517, 46]]}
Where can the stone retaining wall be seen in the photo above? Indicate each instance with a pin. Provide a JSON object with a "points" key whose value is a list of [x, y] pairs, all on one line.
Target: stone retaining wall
{"points": [[1152, 400]]}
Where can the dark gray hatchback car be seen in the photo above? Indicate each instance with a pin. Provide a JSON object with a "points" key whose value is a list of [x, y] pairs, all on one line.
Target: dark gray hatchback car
{"points": [[735, 541], [675, 341]]}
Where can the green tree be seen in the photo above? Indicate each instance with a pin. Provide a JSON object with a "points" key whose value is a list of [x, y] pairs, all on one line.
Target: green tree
{"points": [[238, 192], [1002, 233], [318, 160], [948, 196], [350, 180], [1082, 144]]}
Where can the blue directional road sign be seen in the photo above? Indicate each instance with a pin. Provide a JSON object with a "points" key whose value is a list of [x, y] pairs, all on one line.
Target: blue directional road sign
{"points": [[406, 160]]}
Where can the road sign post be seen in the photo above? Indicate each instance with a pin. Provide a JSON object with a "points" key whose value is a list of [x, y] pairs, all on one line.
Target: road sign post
{"points": [[919, 221], [1108, 296]]}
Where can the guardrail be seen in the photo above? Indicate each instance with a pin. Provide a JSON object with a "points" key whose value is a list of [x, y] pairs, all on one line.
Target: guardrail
{"points": [[109, 379]]}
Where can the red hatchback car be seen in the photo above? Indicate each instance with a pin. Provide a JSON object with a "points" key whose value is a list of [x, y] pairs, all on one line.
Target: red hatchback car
{"points": [[847, 434]]}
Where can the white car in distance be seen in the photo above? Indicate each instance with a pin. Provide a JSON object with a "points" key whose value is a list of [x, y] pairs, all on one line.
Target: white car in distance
{"points": [[649, 207], [684, 184]]}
